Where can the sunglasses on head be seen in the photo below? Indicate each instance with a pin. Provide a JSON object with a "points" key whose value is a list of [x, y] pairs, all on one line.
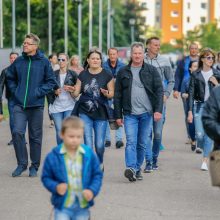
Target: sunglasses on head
{"points": [[210, 58], [61, 60]]}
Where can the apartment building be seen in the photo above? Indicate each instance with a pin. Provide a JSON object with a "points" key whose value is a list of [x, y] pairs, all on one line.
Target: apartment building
{"points": [[176, 17]]}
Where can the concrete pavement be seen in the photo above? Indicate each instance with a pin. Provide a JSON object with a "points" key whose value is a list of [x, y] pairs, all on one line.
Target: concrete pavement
{"points": [[178, 190]]}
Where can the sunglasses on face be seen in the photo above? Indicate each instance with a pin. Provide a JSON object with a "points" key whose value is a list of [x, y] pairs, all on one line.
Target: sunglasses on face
{"points": [[61, 60], [210, 58]]}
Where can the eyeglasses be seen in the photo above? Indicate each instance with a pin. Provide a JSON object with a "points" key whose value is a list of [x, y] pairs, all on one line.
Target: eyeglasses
{"points": [[26, 43], [210, 58], [61, 60]]}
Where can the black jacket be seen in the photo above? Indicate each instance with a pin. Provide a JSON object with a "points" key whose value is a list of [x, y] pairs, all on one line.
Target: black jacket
{"points": [[3, 83], [151, 80], [70, 80], [211, 117], [197, 87]]}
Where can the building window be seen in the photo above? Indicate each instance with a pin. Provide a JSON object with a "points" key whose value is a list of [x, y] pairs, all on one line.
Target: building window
{"points": [[174, 27], [203, 5], [203, 19], [174, 1], [174, 14], [188, 19], [188, 5], [157, 19], [157, 4]]}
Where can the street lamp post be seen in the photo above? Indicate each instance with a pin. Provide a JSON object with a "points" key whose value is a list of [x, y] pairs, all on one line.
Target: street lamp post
{"points": [[50, 26], [100, 25], [1, 24], [13, 26], [108, 24], [66, 26], [90, 24], [79, 2], [28, 16], [112, 12], [132, 23]]}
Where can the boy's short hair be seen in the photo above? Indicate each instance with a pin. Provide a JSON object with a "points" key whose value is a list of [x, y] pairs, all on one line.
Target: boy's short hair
{"points": [[34, 37], [72, 122]]}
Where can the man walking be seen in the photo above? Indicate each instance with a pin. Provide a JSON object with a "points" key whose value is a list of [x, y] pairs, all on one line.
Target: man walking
{"points": [[139, 97], [164, 68], [3, 83], [113, 65], [30, 78]]}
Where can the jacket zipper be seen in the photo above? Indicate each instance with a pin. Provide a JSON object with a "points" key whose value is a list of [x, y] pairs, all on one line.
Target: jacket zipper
{"points": [[27, 83]]}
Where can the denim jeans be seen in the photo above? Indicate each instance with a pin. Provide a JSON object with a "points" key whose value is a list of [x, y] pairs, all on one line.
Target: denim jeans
{"points": [[202, 138], [118, 132], [99, 128], [34, 118], [11, 105], [157, 137], [137, 129], [58, 118], [72, 213]]}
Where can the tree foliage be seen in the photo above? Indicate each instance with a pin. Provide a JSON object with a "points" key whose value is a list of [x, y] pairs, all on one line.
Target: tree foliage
{"points": [[123, 11]]}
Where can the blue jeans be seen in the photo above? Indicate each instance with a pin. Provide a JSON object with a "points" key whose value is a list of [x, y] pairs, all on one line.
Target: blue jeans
{"points": [[11, 105], [58, 119], [34, 118], [72, 213], [137, 129], [99, 128], [118, 132], [202, 138]]}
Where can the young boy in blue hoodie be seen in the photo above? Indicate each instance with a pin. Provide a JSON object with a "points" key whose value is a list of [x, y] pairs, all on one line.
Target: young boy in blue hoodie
{"points": [[72, 173]]}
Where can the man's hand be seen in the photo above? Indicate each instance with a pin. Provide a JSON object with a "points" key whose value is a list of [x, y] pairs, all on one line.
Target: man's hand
{"points": [[157, 116], [119, 122], [88, 195], [190, 117], [1, 117], [175, 94], [61, 188], [185, 95], [58, 91]]}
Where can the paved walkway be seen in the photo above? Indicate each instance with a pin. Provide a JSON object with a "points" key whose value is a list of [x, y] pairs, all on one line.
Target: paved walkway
{"points": [[177, 191]]}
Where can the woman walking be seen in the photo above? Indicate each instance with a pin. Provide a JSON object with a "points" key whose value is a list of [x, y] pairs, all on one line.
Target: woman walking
{"points": [[201, 83], [75, 65], [96, 86], [61, 100]]}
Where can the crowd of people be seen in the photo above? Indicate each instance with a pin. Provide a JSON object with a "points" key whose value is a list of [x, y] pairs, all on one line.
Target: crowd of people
{"points": [[81, 102]]}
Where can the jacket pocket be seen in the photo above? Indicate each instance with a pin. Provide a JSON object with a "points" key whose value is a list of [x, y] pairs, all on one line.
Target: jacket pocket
{"points": [[125, 81]]}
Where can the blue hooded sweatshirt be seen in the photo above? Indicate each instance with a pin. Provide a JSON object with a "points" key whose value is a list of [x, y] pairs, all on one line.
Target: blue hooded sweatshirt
{"points": [[29, 79]]}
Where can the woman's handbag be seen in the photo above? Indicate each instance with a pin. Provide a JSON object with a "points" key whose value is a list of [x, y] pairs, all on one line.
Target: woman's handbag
{"points": [[214, 167]]}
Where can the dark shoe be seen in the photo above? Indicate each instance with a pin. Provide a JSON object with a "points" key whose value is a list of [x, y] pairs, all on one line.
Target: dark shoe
{"points": [[155, 166], [130, 174], [148, 168], [18, 171], [139, 175], [193, 147], [119, 144], [10, 142], [32, 171], [198, 150], [107, 143]]}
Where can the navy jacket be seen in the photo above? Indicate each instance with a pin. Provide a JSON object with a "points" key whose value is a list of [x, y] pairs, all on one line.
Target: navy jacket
{"points": [[119, 65], [29, 79], [54, 172]]}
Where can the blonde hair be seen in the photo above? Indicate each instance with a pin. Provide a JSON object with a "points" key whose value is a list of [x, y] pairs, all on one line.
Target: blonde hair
{"points": [[71, 122]]}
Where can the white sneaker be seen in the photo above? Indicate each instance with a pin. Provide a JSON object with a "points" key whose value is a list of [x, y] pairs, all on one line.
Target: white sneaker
{"points": [[204, 166]]}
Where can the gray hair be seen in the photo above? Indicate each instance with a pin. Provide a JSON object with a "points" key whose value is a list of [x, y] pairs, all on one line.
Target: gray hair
{"points": [[34, 37], [137, 44]]}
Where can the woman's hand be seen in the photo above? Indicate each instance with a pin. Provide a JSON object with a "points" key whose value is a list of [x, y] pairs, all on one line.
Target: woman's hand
{"points": [[69, 88], [58, 91], [104, 92], [213, 80]]}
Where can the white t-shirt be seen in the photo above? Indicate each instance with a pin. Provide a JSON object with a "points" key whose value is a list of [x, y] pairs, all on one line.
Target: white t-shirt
{"points": [[63, 102], [206, 76]]}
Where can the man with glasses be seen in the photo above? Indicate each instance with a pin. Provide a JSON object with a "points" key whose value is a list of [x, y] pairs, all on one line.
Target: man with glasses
{"points": [[3, 83], [139, 97], [30, 78], [182, 74]]}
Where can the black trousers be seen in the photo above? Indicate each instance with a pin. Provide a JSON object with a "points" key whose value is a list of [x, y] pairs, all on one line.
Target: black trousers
{"points": [[33, 117]]}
